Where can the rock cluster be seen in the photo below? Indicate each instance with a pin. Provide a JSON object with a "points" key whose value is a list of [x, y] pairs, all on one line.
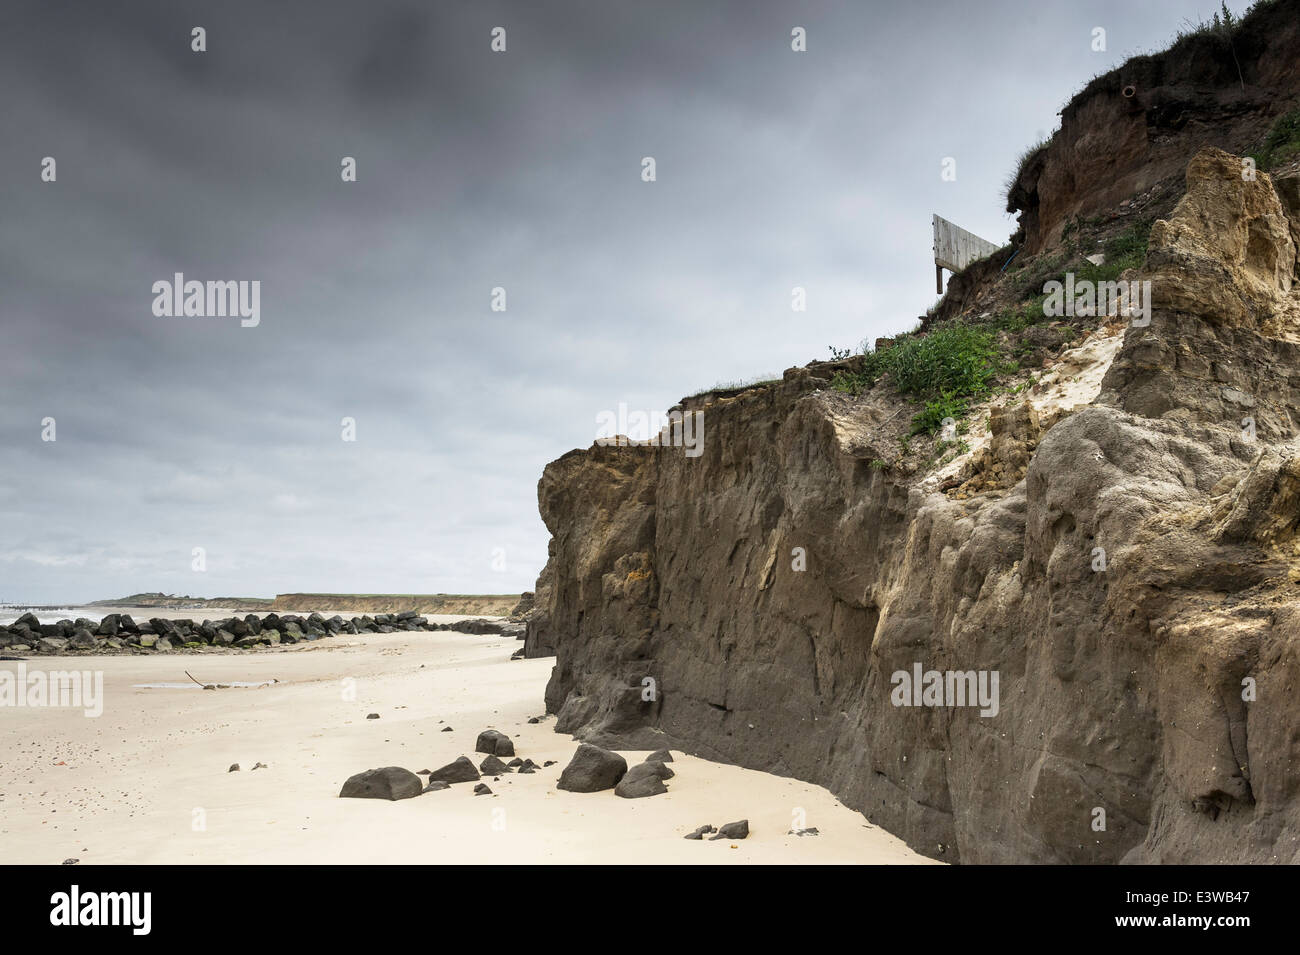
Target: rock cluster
{"points": [[118, 631]]}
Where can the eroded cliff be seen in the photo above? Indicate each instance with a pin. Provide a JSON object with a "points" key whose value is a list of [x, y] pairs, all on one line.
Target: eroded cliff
{"points": [[1115, 539]]}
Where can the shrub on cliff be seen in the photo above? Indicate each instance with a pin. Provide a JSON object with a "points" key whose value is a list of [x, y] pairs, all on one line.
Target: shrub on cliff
{"points": [[1282, 144], [945, 369]]}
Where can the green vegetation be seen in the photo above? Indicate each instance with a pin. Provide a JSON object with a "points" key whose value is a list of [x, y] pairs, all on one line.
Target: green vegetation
{"points": [[754, 382], [945, 369], [1282, 144]]}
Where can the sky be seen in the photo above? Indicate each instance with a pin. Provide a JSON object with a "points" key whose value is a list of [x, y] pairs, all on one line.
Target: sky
{"points": [[207, 456]]}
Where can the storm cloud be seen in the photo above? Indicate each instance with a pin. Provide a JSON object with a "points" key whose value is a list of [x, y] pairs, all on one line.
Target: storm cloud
{"points": [[475, 170]]}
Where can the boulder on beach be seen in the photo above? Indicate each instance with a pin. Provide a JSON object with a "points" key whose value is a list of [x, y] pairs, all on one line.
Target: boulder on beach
{"points": [[494, 742], [459, 771], [82, 640], [436, 785], [592, 769], [390, 782], [701, 832], [492, 766], [733, 830], [50, 644], [660, 756], [482, 790], [643, 779]]}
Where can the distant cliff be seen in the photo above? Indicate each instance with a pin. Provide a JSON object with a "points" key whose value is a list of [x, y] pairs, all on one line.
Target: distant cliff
{"points": [[491, 605]]}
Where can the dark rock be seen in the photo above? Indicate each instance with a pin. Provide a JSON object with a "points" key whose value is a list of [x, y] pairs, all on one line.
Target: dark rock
{"points": [[660, 755], [482, 790], [50, 644], [124, 622], [592, 769], [733, 830], [390, 782], [494, 742], [435, 785], [30, 620], [253, 624], [493, 767], [372, 716], [446, 729], [640, 781], [108, 626], [701, 832], [82, 640], [658, 767], [516, 762], [459, 771], [234, 768]]}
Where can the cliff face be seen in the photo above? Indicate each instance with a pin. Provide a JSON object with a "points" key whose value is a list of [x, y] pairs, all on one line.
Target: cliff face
{"points": [[1134, 128], [773, 586]]}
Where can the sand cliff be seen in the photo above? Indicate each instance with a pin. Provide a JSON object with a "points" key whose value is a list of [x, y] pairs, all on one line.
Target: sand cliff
{"points": [[754, 604]]}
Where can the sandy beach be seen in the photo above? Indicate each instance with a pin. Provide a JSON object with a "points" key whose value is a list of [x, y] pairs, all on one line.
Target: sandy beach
{"points": [[147, 781]]}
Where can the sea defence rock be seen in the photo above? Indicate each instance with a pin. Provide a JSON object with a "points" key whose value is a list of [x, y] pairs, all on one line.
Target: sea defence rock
{"points": [[1090, 658], [390, 782], [245, 633]]}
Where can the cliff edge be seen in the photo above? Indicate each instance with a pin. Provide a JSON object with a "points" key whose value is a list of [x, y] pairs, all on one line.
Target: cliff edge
{"points": [[1110, 544]]}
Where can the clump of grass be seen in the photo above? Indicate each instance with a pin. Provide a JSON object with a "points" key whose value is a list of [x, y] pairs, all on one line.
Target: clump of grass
{"points": [[945, 369], [1026, 157], [1282, 144]]}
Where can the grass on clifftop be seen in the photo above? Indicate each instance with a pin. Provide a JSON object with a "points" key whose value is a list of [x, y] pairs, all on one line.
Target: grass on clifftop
{"points": [[945, 369], [959, 362]]}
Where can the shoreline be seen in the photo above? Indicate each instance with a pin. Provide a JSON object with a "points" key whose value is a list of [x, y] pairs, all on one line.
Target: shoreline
{"points": [[131, 785]]}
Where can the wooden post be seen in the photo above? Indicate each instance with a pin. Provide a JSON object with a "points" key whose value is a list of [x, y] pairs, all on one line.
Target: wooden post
{"points": [[938, 278]]}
